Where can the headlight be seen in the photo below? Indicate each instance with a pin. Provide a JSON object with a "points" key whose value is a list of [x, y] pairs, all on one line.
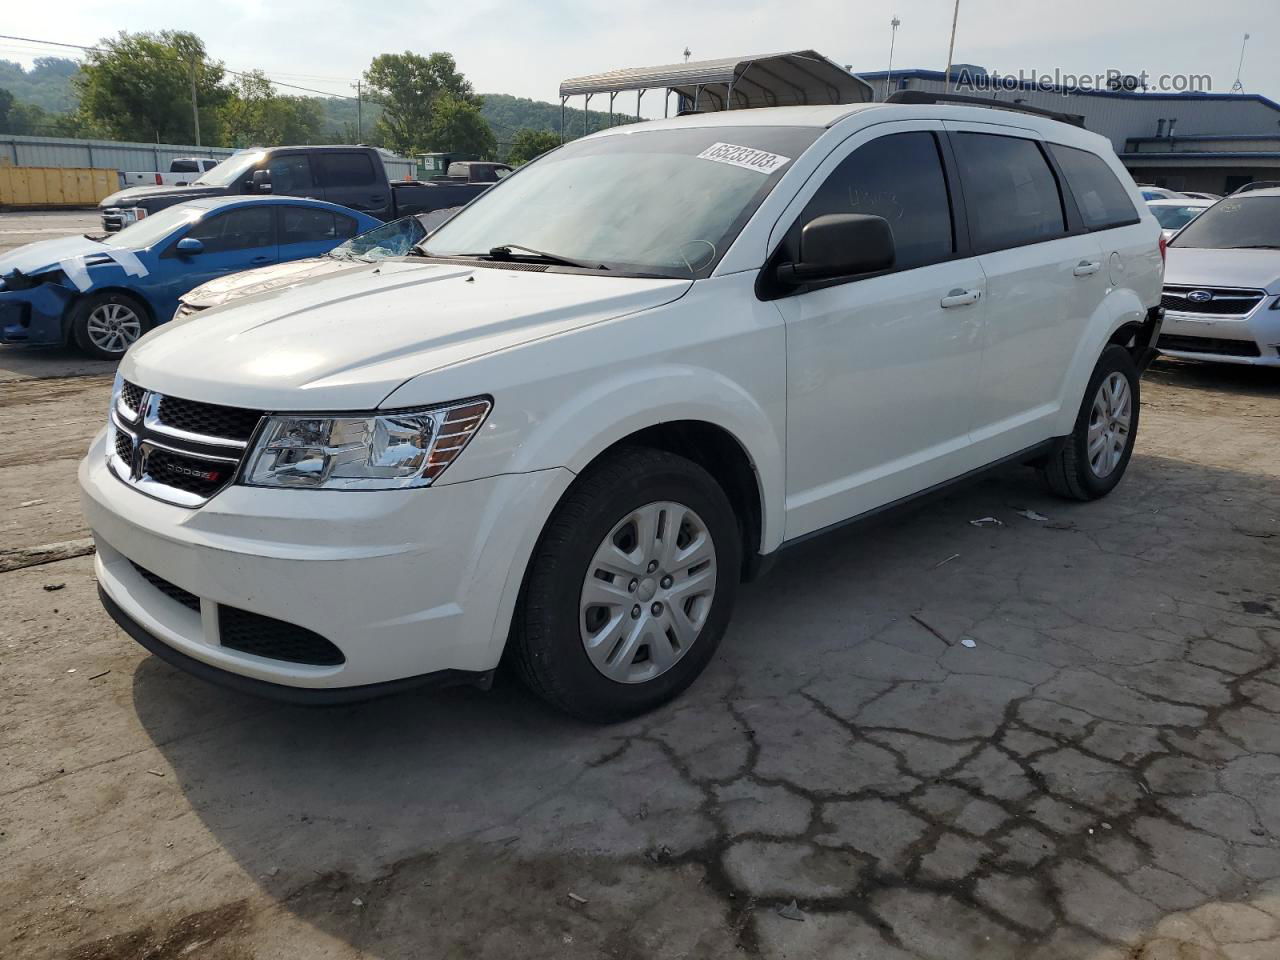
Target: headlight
{"points": [[139, 213], [387, 451]]}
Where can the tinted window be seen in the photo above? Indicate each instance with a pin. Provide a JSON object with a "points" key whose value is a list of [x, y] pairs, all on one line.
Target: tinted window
{"points": [[241, 229], [305, 225], [1175, 217], [183, 166], [1246, 222], [344, 227], [898, 177], [347, 170], [290, 173], [1102, 200], [1009, 191]]}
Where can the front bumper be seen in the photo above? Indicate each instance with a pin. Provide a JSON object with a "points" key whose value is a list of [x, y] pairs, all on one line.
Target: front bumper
{"points": [[404, 582], [34, 314], [1252, 339]]}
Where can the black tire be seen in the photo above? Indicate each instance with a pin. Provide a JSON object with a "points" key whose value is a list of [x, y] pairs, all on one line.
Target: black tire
{"points": [[1067, 471], [546, 646], [84, 309]]}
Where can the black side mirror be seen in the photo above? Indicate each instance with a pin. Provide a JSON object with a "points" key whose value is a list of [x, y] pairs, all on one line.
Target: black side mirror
{"points": [[261, 181], [840, 245]]}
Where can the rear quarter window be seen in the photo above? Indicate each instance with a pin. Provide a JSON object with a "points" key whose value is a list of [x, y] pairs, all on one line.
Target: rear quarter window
{"points": [[1102, 199]]}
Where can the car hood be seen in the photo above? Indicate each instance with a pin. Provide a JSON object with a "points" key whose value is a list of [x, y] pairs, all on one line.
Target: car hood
{"points": [[130, 196], [347, 340], [1198, 267], [36, 258], [247, 283]]}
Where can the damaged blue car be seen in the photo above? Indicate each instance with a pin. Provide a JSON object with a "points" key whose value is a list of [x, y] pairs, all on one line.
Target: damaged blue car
{"points": [[103, 293]]}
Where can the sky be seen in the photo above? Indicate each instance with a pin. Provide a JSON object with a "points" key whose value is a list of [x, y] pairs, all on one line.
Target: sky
{"points": [[527, 48]]}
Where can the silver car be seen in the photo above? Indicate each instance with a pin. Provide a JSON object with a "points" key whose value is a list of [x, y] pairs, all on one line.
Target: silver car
{"points": [[1222, 283]]}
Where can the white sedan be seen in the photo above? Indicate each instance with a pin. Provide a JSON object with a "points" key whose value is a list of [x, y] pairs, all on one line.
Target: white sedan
{"points": [[1176, 214]]}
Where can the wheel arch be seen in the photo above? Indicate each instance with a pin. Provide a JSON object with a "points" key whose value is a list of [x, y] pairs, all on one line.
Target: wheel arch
{"points": [[68, 313], [1117, 318]]}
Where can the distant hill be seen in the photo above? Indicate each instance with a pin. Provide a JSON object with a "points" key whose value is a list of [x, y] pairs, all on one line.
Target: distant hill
{"points": [[47, 84], [507, 114]]}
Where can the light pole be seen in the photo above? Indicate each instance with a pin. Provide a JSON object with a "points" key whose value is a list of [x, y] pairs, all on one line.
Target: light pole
{"points": [[894, 24], [951, 47], [358, 87]]}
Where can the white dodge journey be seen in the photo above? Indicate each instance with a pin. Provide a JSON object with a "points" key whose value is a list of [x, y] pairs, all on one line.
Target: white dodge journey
{"points": [[609, 390]]}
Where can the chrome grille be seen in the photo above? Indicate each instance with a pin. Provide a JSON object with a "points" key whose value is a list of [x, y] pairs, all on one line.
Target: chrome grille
{"points": [[1214, 301], [176, 450]]}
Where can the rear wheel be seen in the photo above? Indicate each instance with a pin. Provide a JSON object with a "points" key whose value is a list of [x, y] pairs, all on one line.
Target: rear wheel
{"points": [[1092, 460], [105, 325], [630, 588]]}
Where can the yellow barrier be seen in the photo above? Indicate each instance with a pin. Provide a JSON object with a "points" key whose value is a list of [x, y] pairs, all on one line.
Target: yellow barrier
{"points": [[55, 186]]}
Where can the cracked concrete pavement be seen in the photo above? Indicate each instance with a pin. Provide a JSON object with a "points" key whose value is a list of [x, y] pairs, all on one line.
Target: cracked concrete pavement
{"points": [[1096, 778]]}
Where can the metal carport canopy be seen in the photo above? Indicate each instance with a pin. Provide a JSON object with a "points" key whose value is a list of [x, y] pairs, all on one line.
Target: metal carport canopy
{"points": [[766, 80]]}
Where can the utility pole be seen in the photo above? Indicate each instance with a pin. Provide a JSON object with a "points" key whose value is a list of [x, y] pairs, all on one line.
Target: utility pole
{"points": [[1238, 87], [894, 24], [358, 85], [951, 47], [195, 107]]}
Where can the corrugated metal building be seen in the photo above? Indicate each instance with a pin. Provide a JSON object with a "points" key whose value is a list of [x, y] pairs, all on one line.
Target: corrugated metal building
{"points": [[1191, 141], [122, 155]]}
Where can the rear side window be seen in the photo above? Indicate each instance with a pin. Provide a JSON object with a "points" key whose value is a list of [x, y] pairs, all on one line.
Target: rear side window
{"points": [[243, 229], [305, 225], [898, 177], [183, 166], [290, 173], [344, 227], [1102, 200], [346, 170], [1010, 193]]}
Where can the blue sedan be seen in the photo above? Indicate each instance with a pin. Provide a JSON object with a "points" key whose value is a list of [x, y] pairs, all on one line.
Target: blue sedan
{"points": [[104, 293]]}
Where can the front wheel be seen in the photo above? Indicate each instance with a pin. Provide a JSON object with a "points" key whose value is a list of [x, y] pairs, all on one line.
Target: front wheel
{"points": [[630, 587], [105, 325], [1091, 461]]}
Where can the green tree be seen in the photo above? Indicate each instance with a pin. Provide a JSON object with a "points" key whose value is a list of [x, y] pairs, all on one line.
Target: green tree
{"points": [[458, 127], [254, 113], [138, 87], [527, 144], [407, 85]]}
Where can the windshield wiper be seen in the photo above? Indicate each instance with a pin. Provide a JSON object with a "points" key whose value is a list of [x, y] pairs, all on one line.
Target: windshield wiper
{"points": [[506, 250]]}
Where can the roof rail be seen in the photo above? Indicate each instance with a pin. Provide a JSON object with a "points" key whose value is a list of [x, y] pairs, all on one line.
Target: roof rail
{"points": [[924, 96]]}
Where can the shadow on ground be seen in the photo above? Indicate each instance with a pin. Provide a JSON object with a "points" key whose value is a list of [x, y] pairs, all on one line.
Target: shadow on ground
{"points": [[1094, 778]]}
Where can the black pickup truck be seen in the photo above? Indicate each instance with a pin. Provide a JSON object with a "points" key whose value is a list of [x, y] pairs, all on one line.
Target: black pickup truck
{"points": [[349, 175]]}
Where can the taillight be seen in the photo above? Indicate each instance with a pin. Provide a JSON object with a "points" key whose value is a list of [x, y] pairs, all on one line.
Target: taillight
{"points": [[1163, 245], [159, 180]]}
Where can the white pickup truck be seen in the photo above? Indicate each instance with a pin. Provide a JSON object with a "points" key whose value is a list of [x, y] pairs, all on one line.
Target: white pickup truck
{"points": [[181, 172]]}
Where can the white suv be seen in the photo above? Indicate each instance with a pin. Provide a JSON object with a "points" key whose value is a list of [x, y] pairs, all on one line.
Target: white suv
{"points": [[612, 387]]}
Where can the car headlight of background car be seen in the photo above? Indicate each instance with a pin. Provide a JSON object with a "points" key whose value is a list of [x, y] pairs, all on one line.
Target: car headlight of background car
{"points": [[385, 451]]}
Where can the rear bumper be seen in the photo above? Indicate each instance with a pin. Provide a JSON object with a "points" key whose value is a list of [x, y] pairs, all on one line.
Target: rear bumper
{"points": [[1145, 348]]}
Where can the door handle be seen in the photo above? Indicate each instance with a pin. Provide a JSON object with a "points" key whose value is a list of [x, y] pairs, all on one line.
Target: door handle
{"points": [[260, 260], [961, 298], [1087, 268]]}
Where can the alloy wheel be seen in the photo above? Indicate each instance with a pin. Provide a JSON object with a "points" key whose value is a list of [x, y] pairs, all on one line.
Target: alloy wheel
{"points": [[112, 327]]}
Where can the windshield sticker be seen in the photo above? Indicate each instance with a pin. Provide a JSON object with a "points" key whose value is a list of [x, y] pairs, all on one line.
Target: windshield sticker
{"points": [[749, 158]]}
